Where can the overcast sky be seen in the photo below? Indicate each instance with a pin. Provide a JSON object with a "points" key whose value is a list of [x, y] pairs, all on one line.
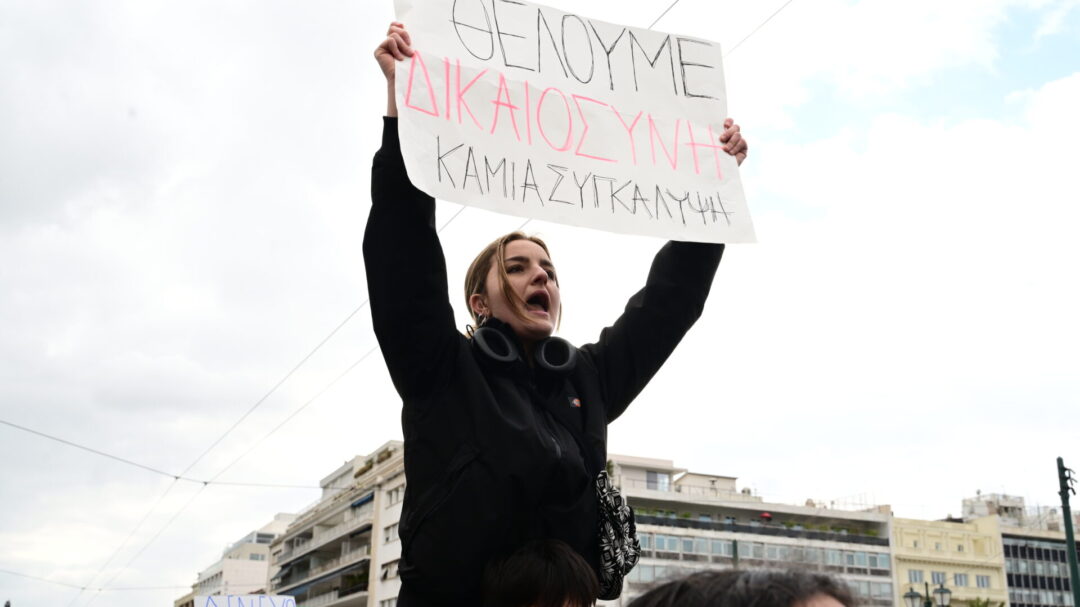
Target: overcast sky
{"points": [[183, 190]]}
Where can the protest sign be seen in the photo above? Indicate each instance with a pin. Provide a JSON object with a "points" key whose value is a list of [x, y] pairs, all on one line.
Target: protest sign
{"points": [[527, 110], [245, 600]]}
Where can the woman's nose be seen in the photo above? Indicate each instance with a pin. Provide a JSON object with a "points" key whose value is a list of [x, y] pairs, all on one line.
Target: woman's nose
{"points": [[540, 275]]}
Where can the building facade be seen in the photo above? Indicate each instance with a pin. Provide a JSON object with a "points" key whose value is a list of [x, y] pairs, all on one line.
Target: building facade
{"points": [[966, 557], [1034, 546], [1015, 513], [688, 522], [1037, 568], [243, 566], [343, 550]]}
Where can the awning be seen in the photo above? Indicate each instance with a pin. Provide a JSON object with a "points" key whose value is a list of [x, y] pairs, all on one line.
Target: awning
{"points": [[301, 589], [360, 502], [282, 572]]}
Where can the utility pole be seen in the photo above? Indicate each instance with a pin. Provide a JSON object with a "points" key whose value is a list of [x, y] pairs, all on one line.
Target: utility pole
{"points": [[1065, 480]]}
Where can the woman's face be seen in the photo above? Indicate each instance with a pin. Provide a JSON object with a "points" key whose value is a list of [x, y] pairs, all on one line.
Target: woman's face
{"points": [[532, 278]]}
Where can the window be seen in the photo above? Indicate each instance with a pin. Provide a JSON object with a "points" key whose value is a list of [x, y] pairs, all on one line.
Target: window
{"points": [[915, 576], [389, 570], [878, 561], [721, 547], [937, 546], [390, 534], [860, 559], [758, 550], [672, 543], [688, 545], [982, 581], [645, 539], [960, 579], [744, 550], [667, 543], [388, 602], [959, 547], [394, 495], [937, 577], [257, 557], [881, 590], [834, 557], [705, 518], [701, 545], [657, 481], [772, 552]]}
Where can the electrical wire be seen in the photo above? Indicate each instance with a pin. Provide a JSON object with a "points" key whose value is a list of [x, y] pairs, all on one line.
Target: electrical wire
{"points": [[259, 402], [40, 579], [156, 470], [755, 30]]}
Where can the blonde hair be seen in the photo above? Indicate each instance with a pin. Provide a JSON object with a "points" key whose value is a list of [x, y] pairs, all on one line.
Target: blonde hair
{"points": [[495, 253]]}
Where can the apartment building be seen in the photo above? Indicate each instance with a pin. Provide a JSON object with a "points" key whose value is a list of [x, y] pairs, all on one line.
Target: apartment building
{"points": [[343, 550], [965, 557], [1034, 547], [243, 566], [689, 521], [1037, 567]]}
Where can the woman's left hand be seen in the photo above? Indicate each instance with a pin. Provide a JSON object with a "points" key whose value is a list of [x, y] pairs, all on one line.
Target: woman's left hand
{"points": [[733, 141]]}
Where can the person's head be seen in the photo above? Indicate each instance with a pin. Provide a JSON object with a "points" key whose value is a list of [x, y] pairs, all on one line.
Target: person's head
{"points": [[749, 588], [543, 573], [514, 280]]}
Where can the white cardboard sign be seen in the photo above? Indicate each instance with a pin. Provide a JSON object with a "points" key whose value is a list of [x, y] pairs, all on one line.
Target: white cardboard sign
{"points": [[246, 600], [526, 110]]}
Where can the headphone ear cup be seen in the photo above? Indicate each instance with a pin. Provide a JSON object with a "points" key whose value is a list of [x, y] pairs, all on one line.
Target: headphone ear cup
{"points": [[495, 345], [556, 355]]}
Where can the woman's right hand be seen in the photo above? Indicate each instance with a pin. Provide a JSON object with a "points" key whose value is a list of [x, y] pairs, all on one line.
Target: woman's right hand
{"points": [[396, 47]]}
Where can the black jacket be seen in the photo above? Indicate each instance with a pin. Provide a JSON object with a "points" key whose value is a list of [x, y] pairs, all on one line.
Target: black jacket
{"points": [[497, 454]]}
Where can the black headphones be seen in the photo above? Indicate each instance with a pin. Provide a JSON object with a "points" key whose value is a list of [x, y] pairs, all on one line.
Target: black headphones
{"points": [[552, 354]]}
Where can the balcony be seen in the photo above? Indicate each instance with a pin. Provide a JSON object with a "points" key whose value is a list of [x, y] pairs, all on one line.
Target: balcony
{"points": [[324, 535], [345, 560], [633, 485], [319, 601], [773, 530]]}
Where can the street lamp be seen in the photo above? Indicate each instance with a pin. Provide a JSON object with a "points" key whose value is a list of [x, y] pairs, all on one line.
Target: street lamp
{"points": [[942, 596]]}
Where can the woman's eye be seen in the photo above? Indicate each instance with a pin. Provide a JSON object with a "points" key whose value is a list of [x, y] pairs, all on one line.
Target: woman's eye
{"points": [[551, 274], [513, 269]]}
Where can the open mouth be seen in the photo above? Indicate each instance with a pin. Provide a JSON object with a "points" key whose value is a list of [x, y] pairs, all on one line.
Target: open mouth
{"points": [[538, 302]]}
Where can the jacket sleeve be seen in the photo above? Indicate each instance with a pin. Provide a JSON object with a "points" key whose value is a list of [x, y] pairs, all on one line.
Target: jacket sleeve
{"points": [[406, 276], [631, 351]]}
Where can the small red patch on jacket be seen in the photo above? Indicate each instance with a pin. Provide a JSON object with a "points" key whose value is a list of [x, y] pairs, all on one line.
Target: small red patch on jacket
{"points": [[575, 402]]}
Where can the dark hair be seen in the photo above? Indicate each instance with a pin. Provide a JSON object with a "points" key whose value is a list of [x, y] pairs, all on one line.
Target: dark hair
{"points": [[745, 588], [543, 573]]}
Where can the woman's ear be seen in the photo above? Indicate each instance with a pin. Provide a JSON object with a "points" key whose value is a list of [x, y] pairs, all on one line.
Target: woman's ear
{"points": [[478, 305]]}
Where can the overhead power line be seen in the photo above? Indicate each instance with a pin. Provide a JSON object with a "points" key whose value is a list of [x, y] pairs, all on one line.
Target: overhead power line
{"points": [[760, 25], [153, 469]]}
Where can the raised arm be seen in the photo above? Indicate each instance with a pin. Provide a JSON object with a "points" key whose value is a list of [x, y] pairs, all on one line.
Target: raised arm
{"points": [[406, 270], [632, 350]]}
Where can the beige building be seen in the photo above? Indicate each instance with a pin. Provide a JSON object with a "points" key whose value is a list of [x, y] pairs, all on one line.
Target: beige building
{"points": [[343, 551], [689, 521], [966, 557], [188, 600], [243, 566]]}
